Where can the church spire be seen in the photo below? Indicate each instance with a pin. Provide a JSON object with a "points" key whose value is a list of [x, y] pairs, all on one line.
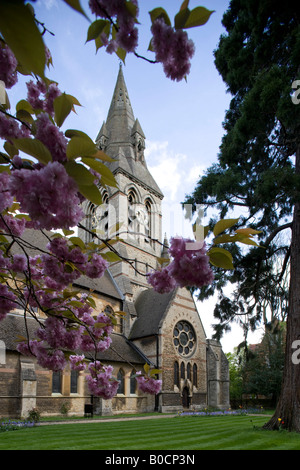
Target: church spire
{"points": [[123, 139]]}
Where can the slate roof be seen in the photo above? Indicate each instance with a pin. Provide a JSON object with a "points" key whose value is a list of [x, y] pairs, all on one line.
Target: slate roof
{"points": [[13, 329], [151, 308], [37, 241]]}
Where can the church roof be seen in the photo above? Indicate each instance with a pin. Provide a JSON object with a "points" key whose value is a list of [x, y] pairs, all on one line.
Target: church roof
{"points": [[13, 329], [119, 130], [151, 308], [37, 241]]}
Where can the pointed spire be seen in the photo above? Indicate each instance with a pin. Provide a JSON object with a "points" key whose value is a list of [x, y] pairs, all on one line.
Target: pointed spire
{"points": [[122, 138], [120, 107]]}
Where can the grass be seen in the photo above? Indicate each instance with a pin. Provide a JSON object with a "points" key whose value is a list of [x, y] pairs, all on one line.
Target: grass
{"points": [[180, 433]]}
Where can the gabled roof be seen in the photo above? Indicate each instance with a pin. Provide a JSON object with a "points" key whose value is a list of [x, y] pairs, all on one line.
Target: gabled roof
{"points": [[151, 308]]}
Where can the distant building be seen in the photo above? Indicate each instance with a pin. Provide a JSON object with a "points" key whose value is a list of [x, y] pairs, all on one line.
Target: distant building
{"points": [[164, 330]]}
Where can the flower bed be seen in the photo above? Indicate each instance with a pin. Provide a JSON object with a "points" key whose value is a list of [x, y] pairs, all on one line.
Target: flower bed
{"points": [[15, 425], [209, 412]]}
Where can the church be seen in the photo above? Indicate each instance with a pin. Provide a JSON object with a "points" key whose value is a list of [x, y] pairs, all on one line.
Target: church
{"points": [[162, 330]]}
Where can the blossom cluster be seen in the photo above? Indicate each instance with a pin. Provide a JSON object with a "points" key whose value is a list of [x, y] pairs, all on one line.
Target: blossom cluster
{"points": [[40, 193], [127, 33], [189, 267], [172, 48], [42, 97], [148, 384], [8, 66], [101, 381]]}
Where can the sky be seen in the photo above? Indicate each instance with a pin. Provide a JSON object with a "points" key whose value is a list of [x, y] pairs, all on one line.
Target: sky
{"points": [[182, 121]]}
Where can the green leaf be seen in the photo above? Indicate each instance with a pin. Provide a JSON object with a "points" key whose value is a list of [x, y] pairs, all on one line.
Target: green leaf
{"points": [[75, 4], [111, 257], [35, 148], [78, 242], [92, 193], [248, 231], [24, 116], [121, 53], [155, 371], [223, 225], [62, 108], [96, 28], [185, 4], [79, 173], [159, 13], [198, 17], [107, 176], [20, 32], [23, 105], [181, 18], [220, 258], [80, 146]]}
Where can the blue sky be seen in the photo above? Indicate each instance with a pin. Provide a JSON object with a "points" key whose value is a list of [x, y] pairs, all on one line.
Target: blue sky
{"points": [[182, 121]]}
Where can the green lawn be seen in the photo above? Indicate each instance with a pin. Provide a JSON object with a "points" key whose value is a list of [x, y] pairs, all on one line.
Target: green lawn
{"points": [[180, 433]]}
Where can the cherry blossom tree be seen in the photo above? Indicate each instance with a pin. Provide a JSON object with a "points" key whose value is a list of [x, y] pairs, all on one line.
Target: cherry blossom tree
{"points": [[41, 166]]}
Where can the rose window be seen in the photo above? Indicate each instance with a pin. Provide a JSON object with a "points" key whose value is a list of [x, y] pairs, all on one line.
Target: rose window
{"points": [[184, 338]]}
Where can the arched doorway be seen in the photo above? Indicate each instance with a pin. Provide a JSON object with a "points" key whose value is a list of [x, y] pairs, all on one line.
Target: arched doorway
{"points": [[186, 397]]}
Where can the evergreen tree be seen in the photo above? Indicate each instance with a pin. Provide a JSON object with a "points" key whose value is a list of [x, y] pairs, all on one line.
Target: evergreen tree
{"points": [[257, 175]]}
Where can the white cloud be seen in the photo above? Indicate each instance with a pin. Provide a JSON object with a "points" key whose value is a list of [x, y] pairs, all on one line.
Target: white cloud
{"points": [[176, 177]]}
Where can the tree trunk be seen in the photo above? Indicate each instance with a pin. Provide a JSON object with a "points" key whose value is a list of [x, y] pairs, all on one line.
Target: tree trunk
{"points": [[287, 413]]}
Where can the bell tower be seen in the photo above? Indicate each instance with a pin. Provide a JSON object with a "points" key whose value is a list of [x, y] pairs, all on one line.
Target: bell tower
{"points": [[134, 206]]}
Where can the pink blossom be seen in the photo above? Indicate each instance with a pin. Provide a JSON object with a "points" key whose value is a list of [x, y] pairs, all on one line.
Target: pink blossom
{"points": [[100, 381], [19, 263], [127, 33], [12, 225], [148, 384], [173, 48], [48, 195], [6, 199], [47, 358], [7, 301], [77, 362], [8, 65], [52, 137], [11, 129], [161, 281], [40, 97], [96, 266], [188, 268]]}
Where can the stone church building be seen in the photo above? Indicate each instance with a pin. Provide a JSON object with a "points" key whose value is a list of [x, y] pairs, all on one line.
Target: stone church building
{"points": [[163, 330]]}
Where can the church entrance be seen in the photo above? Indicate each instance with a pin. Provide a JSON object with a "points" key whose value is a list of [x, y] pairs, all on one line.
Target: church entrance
{"points": [[186, 397]]}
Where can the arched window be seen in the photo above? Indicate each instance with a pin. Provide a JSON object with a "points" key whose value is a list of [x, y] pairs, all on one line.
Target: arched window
{"points": [[102, 217], [90, 221], [119, 326], [195, 375], [182, 371], [188, 372], [121, 379], [133, 228], [74, 381], [176, 374], [148, 220], [56, 381], [132, 382]]}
